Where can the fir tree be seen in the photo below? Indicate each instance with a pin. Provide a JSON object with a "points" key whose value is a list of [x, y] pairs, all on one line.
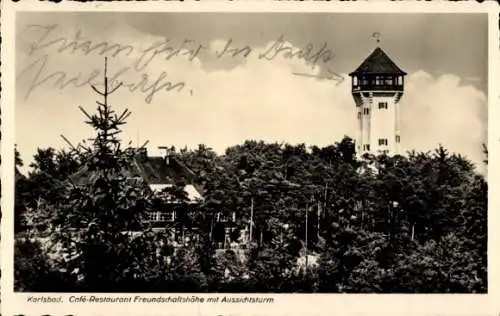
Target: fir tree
{"points": [[100, 208]]}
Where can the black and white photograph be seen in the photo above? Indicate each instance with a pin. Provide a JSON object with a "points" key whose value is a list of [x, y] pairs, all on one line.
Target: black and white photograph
{"points": [[251, 152]]}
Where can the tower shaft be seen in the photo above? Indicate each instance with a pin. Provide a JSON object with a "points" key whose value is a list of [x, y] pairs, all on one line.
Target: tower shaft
{"points": [[377, 87], [378, 122]]}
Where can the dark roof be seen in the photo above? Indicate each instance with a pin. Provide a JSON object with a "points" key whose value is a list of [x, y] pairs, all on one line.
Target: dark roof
{"points": [[153, 170], [378, 63], [160, 170]]}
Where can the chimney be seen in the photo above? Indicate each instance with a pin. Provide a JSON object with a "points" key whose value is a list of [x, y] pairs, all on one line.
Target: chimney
{"points": [[167, 154]]}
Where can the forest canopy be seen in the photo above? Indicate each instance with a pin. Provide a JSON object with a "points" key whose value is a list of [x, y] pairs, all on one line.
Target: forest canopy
{"points": [[414, 223], [321, 219]]}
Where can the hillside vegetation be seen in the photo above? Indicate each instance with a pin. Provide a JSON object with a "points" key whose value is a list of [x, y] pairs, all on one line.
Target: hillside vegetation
{"points": [[412, 224]]}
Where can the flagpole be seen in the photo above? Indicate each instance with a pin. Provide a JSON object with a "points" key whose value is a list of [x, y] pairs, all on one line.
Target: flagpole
{"points": [[307, 211], [325, 200], [319, 215], [251, 219]]}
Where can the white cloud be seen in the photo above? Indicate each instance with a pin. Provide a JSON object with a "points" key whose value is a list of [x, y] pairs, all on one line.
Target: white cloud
{"points": [[255, 100], [441, 111]]}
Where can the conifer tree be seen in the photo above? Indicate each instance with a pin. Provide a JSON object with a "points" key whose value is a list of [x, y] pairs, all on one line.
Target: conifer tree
{"points": [[100, 208]]}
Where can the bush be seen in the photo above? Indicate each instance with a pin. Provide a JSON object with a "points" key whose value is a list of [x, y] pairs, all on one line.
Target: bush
{"points": [[33, 271]]}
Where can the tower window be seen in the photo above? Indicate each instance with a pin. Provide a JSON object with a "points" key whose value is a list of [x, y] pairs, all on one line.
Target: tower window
{"points": [[359, 115], [398, 138], [366, 111], [382, 142], [382, 105], [366, 147]]}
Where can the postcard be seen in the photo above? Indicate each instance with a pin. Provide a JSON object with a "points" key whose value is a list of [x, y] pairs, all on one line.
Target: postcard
{"points": [[250, 159]]}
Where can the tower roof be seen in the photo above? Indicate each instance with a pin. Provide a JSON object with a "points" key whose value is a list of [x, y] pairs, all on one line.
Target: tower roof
{"points": [[378, 63]]}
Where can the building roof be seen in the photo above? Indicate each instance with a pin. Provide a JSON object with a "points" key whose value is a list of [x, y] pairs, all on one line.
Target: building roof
{"points": [[378, 63], [161, 170], [157, 172]]}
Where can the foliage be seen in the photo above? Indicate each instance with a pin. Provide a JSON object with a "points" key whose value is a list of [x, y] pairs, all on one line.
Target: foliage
{"points": [[32, 268], [93, 213], [410, 224], [377, 224]]}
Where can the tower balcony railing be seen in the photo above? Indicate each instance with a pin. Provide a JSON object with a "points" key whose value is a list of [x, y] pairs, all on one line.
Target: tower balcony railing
{"points": [[370, 87]]}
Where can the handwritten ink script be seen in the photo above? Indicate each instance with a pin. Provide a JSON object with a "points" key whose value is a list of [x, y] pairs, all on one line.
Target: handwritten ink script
{"points": [[136, 61]]}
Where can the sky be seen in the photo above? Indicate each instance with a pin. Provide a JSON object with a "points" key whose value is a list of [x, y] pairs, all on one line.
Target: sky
{"points": [[184, 88]]}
